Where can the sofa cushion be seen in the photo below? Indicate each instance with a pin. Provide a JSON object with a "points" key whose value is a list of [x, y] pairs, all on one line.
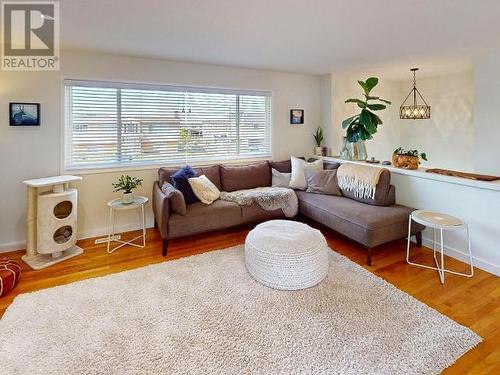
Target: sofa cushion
{"points": [[383, 196], [204, 189], [330, 165], [175, 197], [366, 224], [181, 183], [299, 166], [212, 173], [284, 166], [164, 174], [280, 179], [254, 213], [239, 177], [323, 182], [201, 218], [326, 164]]}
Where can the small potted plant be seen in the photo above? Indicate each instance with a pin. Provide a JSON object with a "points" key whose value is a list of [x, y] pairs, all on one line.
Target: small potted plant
{"points": [[127, 184], [407, 159], [318, 137]]}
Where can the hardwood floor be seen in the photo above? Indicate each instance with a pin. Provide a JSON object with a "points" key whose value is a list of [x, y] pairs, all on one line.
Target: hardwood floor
{"points": [[474, 302]]}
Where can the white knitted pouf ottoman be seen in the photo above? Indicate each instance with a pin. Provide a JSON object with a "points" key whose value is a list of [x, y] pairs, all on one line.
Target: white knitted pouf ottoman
{"points": [[286, 255]]}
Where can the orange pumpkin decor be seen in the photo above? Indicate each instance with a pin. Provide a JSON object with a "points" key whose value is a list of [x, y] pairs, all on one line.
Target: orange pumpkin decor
{"points": [[9, 275]]}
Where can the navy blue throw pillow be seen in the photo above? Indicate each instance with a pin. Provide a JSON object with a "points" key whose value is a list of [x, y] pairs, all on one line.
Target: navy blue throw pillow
{"points": [[181, 183]]}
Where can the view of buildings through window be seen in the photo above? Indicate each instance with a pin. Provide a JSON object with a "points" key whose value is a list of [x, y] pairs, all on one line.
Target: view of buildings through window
{"points": [[113, 126]]}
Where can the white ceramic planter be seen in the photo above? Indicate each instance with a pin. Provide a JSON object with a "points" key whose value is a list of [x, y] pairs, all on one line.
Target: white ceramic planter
{"points": [[127, 198], [318, 151]]}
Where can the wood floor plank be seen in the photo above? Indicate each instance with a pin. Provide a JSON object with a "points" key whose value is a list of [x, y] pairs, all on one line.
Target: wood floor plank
{"points": [[472, 302]]}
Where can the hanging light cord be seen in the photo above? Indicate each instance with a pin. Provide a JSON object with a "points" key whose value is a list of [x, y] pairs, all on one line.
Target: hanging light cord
{"points": [[415, 91]]}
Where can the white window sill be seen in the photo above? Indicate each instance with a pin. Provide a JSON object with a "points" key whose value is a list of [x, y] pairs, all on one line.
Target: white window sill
{"points": [[157, 165]]}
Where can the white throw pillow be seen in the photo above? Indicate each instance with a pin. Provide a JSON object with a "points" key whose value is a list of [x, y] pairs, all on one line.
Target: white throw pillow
{"points": [[298, 179], [204, 189], [280, 179]]}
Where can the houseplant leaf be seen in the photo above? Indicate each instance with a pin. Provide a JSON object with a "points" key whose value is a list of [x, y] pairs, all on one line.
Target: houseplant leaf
{"points": [[348, 121], [364, 134], [358, 101], [376, 107], [376, 120], [364, 87], [369, 125], [371, 83]]}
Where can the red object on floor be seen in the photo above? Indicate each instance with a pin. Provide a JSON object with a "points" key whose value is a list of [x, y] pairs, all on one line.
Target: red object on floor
{"points": [[10, 272]]}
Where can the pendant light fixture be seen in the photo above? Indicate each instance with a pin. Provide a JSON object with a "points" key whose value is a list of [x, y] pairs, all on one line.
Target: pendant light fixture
{"points": [[415, 111]]}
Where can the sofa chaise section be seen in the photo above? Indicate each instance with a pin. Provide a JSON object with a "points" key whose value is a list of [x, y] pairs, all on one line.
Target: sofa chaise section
{"points": [[369, 222]]}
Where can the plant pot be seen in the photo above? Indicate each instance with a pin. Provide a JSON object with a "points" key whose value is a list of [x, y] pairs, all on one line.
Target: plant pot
{"points": [[357, 151], [318, 151], [405, 161], [127, 198]]}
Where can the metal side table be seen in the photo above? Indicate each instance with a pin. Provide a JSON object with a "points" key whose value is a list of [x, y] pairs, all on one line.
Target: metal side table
{"points": [[441, 222], [117, 205]]}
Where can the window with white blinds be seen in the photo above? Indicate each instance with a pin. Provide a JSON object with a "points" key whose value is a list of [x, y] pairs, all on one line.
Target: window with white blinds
{"points": [[113, 125]]}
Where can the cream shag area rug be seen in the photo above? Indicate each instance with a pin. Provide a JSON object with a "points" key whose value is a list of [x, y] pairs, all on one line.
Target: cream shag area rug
{"points": [[205, 315]]}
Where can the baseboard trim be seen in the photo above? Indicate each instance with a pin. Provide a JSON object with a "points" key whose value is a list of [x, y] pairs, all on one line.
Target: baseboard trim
{"points": [[12, 246], [464, 257], [97, 232]]}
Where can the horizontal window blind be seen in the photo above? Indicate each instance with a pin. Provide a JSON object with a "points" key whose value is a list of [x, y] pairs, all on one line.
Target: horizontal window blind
{"points": [[113, 124]]}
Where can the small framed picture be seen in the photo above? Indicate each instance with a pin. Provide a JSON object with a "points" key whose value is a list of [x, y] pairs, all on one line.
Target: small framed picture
{"points": [[296, 116], [24, 114]]}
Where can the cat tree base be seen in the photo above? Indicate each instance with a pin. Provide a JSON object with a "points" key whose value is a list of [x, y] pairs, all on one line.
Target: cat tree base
{"points": [[39, 261]]}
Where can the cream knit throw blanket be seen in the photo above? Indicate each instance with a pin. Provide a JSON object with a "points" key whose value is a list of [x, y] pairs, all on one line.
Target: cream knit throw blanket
{"points": [[361, 180], [268, 198]]}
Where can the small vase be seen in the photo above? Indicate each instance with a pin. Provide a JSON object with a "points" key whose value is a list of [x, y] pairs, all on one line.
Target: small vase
{"points": [[127, 198], [318, 151], [358, 151], [344, 152]]}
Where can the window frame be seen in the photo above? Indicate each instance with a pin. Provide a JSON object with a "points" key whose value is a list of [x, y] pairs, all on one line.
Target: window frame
{"points": [[154, 164]]}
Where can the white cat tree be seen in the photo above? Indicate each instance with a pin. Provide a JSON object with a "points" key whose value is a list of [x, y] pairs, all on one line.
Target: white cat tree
{"points": [[51, 220]]}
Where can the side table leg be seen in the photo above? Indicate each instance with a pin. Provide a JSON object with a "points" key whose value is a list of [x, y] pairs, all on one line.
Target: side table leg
{"points": [[110, 218], [441, 267], [143, 227], [470, 251], [408, 241]]}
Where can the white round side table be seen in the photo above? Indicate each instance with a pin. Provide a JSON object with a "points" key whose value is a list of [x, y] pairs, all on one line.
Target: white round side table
{"points": [[441, 222], [117, 205]]}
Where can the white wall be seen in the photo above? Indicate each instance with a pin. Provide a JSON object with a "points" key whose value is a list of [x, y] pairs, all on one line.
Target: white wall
{"points": [[447, 137], [486, 118], [36, 152], [478, 207]]}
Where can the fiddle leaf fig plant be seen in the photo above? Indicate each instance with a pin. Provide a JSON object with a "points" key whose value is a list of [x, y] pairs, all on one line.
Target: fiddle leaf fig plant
{"points": [[363, 125]]}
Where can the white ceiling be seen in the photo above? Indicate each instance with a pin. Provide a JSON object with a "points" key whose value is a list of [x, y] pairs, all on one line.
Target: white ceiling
{"points": [[315, 36]]}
